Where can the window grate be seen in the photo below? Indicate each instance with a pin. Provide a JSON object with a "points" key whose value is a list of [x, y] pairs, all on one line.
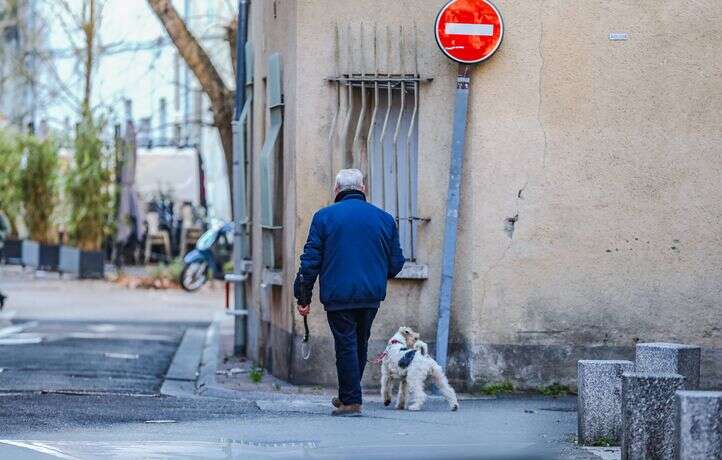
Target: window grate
{"points": [[375, 123]]}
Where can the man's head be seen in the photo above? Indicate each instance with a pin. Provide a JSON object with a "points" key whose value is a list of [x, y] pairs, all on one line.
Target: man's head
{"points": [[349, 179]]}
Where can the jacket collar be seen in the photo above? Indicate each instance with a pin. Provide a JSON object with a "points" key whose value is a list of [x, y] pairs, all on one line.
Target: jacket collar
{"points": [[350, 195]]}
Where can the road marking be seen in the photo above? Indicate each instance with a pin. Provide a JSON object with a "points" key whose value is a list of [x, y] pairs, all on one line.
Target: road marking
{"points": [[160, 421], [480, 30], [103, 327], [93, 335], [39, 447], [21, 340], [11, 330]]}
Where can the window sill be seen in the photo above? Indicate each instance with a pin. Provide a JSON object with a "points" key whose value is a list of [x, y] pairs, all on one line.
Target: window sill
{"points": [[413, 271]]}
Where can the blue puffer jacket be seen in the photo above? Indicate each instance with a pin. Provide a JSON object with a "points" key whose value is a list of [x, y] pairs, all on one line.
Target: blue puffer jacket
{"points": [[353, 247]]}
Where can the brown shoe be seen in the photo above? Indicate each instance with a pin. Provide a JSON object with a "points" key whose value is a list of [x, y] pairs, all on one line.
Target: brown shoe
{"points": [[335, 402], [348, 410]]}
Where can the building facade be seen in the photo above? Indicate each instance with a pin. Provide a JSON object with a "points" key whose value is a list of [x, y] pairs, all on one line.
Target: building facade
{"points": [[590, 206]]}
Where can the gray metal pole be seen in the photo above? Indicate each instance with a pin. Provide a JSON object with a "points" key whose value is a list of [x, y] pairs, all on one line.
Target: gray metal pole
{"points": [[239, 188], [461, 104]]}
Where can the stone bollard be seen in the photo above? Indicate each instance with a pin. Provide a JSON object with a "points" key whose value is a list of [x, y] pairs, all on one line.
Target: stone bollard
{"points": [[648, 402], [699, 425], [670, 358], [599, 400]]}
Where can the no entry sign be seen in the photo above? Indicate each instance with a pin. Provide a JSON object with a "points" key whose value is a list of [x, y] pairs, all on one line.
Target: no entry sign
{"points": [[469, 31]]}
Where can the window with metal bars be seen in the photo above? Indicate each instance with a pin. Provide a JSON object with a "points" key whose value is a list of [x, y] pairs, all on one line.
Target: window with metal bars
{"points": [[375, 125]]}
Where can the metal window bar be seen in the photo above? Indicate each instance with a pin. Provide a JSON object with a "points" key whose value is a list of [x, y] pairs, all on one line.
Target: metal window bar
{"points": [[271, 167], [382, 107]]}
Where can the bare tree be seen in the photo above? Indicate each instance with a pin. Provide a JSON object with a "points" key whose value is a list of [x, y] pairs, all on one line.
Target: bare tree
{"points": [[208, 77]]}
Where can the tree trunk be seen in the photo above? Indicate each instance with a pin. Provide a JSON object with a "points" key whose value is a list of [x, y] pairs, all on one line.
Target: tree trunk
{"points": [[205, 72]]}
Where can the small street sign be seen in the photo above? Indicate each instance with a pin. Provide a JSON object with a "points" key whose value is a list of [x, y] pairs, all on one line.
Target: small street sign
{"points": [[469, 31]]}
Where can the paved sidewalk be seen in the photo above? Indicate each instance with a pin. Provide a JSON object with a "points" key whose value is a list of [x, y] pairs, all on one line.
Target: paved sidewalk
{"points": [[44, 295]]}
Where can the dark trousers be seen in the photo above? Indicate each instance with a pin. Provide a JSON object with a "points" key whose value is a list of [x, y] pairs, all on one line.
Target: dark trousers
{"points": [[351, 330]]}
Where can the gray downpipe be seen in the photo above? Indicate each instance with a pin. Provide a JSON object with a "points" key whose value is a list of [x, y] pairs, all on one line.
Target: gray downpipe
{"points": [[240, 219]]}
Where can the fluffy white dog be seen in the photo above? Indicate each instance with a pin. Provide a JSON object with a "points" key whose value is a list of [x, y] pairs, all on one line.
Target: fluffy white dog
{"points": [[407, 360]]}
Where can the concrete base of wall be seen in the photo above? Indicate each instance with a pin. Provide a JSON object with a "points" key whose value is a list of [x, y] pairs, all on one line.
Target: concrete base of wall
{"points": [[528, 367]]}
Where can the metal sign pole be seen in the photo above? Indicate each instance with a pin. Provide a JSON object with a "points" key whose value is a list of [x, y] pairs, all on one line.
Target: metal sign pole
{"points": [[461, 104]]}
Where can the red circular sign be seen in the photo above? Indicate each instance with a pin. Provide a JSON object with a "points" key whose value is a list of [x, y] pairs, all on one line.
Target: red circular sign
{"points": [[469, 31]]}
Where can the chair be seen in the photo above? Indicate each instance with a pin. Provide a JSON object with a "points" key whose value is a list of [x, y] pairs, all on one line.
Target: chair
{"points": [[156, 236], [190, 230]]}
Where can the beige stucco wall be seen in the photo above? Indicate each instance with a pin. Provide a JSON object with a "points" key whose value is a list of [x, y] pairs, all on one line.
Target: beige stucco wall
{"points": [[608, 152]]}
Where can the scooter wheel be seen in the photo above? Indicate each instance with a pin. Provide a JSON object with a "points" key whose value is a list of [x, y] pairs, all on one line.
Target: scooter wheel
{"points": [[193, 276]]}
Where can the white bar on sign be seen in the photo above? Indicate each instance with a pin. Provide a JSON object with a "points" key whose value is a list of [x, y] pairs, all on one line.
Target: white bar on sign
{"points": [[455, 28]]}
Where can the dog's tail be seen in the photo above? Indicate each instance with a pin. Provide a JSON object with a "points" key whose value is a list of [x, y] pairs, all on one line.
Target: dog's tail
{"points": [[437, 374]]}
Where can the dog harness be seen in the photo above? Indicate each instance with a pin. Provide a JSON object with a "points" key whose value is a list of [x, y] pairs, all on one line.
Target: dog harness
{"points": [[407, 358], [380, 357]]}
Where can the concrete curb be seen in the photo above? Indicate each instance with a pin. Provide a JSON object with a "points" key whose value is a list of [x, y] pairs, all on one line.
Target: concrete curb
{"points": [[192, 373], [180, 380]]}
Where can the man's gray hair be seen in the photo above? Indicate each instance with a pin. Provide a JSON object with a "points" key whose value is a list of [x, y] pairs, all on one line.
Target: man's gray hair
{"points": [[349, 179]]}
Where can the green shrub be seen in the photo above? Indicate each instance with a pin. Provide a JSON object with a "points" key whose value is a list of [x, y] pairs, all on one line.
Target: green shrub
{"points": [[39, 187], [604, 441], [87, 187], [555, 390], [494, 389], [10, 192], [256, 374]]}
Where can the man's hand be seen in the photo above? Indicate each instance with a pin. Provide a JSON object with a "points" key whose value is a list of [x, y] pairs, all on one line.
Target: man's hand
{"points": [[304, 310]]}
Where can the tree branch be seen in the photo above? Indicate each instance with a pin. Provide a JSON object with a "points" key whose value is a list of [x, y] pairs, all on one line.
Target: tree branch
{"points": [[205, 72]]}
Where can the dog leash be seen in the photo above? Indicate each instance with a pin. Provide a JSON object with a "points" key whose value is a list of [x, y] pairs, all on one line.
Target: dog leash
{"points": [[305, 345]]}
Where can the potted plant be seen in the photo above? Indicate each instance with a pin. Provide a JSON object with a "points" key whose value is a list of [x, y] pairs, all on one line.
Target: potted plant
{"points": [[10, 197], [39, 190], [87, 190]]}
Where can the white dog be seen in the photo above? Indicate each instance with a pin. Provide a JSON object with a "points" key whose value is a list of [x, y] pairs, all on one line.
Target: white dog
{"points": [[407, 360]]}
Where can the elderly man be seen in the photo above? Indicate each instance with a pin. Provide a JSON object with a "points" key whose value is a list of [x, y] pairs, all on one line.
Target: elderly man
{"points": [[353, 247]]}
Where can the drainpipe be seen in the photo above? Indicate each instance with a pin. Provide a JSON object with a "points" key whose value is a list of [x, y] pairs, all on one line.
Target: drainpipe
{"points": [[240, 217]]}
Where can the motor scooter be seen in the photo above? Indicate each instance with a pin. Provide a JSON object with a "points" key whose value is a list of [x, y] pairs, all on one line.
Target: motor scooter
{"points": [[212, 251]]}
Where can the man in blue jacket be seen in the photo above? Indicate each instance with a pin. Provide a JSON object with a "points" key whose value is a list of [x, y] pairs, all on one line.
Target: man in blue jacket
{"points": [[353, 247]]}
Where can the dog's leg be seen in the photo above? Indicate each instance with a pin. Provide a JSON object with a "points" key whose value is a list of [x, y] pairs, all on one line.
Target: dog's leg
{"points": [[386, 385], [416, 392], [443, 385], [403, 390]]}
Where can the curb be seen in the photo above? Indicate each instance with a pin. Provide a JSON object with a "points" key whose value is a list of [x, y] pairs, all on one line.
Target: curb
{"points": [[192, 372]]}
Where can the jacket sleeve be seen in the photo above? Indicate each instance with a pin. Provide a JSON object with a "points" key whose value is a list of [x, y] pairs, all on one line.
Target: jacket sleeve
{"points": [[396, 258], [311, 260]]}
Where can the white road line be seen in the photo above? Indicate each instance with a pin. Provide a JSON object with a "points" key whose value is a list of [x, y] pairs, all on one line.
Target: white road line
{"points": [[481, 30], [121, 355], [40, 448], [10, 330], [27, 340]]}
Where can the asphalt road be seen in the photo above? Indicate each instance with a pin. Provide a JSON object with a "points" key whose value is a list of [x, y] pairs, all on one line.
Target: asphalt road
{"points": [[87, 390]]}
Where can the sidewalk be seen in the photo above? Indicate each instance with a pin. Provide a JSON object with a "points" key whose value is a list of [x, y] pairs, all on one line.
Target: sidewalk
{"points": [[46, 295], [519, 426]]}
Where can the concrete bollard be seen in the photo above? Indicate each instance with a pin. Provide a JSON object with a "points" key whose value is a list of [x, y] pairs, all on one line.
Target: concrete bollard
{"points": [[599, 400], [648, 420], [670, 358], [699, 425]]}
